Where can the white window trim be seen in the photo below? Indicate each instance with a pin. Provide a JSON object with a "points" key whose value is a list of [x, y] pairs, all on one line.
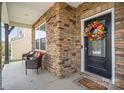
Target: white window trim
{"points": [[39, 41], [112, 41]]}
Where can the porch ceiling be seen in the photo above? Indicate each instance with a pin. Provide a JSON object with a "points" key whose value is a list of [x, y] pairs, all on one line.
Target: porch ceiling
{"points": [[24, 14]]}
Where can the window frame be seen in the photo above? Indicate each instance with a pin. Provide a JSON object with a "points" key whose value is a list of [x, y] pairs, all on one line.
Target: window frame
{"points": [[44, 23]]}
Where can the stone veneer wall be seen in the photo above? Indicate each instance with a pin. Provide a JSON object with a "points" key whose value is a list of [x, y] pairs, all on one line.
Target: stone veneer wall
{"points": [[60, 24], [64, 36], [119, 43], [69, 40], [51, 17]]}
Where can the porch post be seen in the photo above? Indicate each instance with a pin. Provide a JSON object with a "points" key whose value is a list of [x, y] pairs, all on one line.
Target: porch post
{"points": [[7, 32], [6, 44]]}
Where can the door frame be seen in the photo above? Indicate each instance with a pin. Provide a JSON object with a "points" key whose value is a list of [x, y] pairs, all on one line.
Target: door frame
{"points": [[112, 41]]}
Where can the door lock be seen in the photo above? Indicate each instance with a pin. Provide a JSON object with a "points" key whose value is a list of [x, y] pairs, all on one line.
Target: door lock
{"points": [[82, 46]]}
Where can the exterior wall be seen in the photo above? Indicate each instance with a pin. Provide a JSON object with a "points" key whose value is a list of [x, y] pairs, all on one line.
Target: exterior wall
{"points": [[53, 48], [21, 46], [61, 33], [119, 43], [68, 39], [64, 36]]}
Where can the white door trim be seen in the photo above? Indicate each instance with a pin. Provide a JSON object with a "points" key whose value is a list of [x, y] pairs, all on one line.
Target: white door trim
{"points": [[112, 42]]}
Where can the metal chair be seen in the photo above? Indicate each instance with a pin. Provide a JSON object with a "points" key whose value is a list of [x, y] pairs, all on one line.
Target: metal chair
{"points": [[34, 61]]}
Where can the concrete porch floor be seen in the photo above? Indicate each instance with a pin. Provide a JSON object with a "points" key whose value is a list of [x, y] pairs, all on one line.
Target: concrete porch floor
{"points": [[14, 78]]}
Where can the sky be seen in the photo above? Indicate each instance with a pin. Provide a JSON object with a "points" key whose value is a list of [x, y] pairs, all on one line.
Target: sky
{"points": [[12, 34], [40, 34]]}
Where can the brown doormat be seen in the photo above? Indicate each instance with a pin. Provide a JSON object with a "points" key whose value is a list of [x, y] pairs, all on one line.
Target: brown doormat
{"points": [[91, 84]]}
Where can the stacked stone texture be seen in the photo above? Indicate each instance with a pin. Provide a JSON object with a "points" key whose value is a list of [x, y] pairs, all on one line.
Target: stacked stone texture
{"points": [[119, 43], [51, 17], [63, 24], [67, 38]]}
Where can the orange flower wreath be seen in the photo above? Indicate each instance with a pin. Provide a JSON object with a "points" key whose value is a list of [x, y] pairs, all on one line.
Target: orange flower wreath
{"points": [[94, 31]]}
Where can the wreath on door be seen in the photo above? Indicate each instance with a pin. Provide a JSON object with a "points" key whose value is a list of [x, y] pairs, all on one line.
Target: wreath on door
{"points": [[94, 31]]}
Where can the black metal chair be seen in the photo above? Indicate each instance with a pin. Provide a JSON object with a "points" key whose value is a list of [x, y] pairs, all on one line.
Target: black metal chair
{"points": [[34, 61]]}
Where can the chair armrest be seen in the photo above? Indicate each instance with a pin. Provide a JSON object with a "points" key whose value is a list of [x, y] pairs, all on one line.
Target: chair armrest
{"points": [[31, 59], [29, 56]]}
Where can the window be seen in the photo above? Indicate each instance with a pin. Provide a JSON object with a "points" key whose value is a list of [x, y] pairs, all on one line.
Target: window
{"points": [[40, 38], [16, 34]]}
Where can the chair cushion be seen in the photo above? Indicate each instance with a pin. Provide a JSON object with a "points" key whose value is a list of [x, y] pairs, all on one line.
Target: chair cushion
{"points": [[38, 54], [35, 54]]}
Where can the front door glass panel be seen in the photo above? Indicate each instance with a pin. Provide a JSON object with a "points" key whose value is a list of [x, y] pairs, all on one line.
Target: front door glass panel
{"points": [[97, 48]]}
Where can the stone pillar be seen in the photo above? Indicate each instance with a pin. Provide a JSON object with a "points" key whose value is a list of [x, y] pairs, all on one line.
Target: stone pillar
{"points": [[63, 44], [67, 40]]}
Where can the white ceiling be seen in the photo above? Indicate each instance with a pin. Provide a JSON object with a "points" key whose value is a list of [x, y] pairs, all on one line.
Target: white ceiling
{"points": [[26, 13], [4, 14]]}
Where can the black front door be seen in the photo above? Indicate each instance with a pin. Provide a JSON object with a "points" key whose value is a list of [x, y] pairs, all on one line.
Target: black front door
{"points": [[98, 53]]}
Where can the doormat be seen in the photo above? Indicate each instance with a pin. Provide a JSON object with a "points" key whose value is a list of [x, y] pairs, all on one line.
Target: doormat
{"points": [[89, 84]]}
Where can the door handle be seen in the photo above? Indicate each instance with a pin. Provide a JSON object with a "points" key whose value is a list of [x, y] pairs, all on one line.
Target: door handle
{"points": [[82, 46]]}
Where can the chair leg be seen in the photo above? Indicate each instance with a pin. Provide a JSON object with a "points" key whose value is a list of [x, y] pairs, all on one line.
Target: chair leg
{"points": [[37, 71], [41, 67], [22, 61], [26, 71], [26, 67]]}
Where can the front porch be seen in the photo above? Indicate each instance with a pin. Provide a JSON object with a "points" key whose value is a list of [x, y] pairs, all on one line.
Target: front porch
{"points": [[14, 78], [59, 33]]}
